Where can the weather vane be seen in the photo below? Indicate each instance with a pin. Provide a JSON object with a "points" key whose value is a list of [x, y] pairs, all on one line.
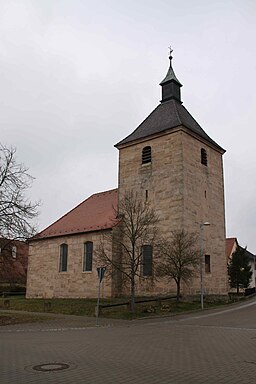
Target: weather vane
{"points": [[171, 50]]}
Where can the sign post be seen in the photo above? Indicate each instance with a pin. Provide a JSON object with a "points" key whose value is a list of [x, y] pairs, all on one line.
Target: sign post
{"points": [[101, 271]]}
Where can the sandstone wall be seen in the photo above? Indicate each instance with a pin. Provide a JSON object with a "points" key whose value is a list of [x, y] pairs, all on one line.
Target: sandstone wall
{"points": [[204, 202], [184, 193], [45, 280]]}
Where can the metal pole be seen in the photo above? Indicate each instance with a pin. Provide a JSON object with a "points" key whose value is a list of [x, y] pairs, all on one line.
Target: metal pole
{"points": [[201, 268], [102, 289], [98, 305], [101, 271]]}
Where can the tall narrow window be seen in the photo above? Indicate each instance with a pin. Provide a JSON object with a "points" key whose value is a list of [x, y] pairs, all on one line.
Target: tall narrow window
{"points": [[63, 258], [203, 157], [146, 155], [88, 251], [147, 260], [207, 263]]}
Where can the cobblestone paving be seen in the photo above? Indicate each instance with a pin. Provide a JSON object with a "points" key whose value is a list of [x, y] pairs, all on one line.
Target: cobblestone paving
{"points": [[216, 346]]}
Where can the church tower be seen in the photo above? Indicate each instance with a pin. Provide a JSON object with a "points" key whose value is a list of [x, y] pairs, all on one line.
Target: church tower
{"points": [[171, 162]]}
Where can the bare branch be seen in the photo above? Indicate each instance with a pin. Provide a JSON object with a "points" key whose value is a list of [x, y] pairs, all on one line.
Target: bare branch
{"points": [[16, 211], [178, 257], [135, 229]]}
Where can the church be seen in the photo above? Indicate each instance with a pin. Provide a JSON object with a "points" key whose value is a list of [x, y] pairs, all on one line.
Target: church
{"points": [[171, 162]]}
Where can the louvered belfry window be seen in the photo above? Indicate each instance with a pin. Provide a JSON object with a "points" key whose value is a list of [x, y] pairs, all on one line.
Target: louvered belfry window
{"points": [[146, 155], [203, 156]]}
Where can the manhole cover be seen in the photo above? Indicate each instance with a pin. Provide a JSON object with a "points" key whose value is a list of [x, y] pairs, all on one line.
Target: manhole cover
{"points": [[50, 367]]}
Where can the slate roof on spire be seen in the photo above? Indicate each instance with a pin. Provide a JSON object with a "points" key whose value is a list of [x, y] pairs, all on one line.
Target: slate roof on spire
{"points": [[167, 116], [170, 74]]}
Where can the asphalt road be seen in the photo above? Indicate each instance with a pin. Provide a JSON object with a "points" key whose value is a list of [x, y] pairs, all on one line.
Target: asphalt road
{"points": [[216, 346]]}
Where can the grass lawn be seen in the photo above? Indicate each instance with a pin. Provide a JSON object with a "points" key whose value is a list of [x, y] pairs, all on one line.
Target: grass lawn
{"points": [[86, 307], [64, 306]]}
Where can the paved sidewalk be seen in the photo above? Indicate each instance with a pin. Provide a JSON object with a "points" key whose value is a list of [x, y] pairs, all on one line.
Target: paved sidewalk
{"points": [[53, 320]]}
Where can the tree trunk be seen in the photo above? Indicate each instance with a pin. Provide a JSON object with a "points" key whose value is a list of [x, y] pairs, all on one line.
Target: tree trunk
{"points": [[178, 292], [133, 295]]}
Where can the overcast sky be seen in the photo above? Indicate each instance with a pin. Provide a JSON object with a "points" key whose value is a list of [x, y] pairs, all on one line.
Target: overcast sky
{"points": [[78, 76]]}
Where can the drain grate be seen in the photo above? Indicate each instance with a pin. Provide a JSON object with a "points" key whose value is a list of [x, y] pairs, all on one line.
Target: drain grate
{"points": [[50, 367]]}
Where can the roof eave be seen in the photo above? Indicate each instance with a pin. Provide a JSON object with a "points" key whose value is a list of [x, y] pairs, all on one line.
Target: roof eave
{"points": [[54, 236], [169, 131]]}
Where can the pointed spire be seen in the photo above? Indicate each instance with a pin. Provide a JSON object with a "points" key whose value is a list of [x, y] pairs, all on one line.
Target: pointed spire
{"points": [[170, 84]]}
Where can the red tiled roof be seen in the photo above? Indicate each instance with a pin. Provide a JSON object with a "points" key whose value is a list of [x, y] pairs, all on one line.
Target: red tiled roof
{"points": [[230, 242], [93, 214]]}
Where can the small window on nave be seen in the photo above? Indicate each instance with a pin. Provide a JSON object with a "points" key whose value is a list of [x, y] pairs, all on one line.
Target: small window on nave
{"points": [[63, 266], [88, 253]]}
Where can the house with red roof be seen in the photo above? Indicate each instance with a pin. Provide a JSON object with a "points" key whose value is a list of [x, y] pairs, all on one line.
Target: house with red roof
{"points": [[177, 169], [13, 263]]}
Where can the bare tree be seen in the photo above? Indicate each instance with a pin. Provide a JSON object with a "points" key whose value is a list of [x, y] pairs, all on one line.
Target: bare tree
{"points": [[178, 258], [16, 211], [135, 230]]}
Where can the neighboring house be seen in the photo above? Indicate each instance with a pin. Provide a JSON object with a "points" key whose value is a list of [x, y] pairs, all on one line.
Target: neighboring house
{"points": [[231, 246], [174, 166], [13, 262]]}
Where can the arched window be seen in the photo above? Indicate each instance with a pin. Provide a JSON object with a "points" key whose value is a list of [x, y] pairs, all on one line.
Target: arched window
{"points": [[146, 155], [147, 260], [203, 156], [87, 260], [63, 258]]}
